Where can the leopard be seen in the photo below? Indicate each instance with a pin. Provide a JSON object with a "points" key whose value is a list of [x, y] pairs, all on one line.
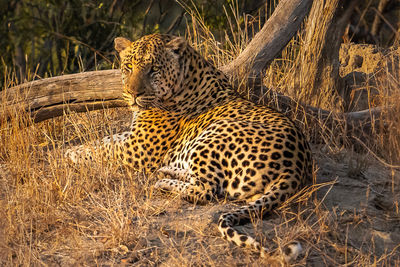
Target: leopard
{"points": [[203, 140]]}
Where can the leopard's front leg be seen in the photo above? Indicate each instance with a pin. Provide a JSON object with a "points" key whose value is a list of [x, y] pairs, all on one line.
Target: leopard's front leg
{"points": [[107, 149]]}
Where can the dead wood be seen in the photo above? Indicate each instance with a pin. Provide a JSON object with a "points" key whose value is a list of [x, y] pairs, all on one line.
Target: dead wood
{"points": [[359, 124], [317, 70], [52, 97]]}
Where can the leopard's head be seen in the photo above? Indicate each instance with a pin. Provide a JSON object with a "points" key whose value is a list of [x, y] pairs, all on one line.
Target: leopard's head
{"points": [[153, 69]]}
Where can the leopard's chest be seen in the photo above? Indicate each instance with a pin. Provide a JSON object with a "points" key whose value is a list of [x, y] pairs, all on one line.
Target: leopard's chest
{"points": [[152, 135]]}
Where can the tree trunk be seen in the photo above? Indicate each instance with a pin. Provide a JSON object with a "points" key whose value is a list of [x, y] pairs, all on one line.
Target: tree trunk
{"points": [[319, 62]]}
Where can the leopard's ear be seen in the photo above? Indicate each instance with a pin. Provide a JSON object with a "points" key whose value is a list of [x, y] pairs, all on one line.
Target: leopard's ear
{"points": [[120, 43], [177, 45]]}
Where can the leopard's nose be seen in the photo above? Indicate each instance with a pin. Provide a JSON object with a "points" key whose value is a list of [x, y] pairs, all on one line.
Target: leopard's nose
{"points": [[136, 92], [136, 85]]}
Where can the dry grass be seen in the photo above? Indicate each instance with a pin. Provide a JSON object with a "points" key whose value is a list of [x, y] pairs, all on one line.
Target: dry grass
{"points": [[52, 213]]}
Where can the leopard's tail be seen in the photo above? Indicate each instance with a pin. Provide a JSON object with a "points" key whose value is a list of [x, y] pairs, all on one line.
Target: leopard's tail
{"points": [[265, 203]]}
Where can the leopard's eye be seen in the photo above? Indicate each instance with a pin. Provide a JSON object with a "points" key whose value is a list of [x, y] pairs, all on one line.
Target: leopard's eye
{"points": [[154, 69], [129, 65]]}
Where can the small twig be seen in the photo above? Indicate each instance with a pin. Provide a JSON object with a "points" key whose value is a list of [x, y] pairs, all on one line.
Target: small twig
{"points": [[82, 43], [176, 22], [145, 249], [377, 19], [385, 20], [376, 156], [145, 16]]}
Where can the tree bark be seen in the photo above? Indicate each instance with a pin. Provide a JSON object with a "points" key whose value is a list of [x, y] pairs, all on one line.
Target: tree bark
{"points": [[318, 67]]}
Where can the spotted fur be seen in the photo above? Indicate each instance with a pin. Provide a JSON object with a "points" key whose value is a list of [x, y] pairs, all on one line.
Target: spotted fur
{"points": [[201, 139]]}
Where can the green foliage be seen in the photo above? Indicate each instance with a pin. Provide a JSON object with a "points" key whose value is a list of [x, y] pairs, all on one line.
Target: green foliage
{"points": [[55, 37], [42, 38]]}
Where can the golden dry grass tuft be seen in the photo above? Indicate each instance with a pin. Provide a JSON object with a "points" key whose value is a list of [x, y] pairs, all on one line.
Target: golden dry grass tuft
{"points": [[52, 213]]}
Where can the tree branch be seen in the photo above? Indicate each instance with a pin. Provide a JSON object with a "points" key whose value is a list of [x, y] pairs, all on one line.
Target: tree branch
{"points": [[271, 39]]}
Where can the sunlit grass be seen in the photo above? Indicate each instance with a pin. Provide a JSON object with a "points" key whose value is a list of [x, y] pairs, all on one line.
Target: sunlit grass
{"points": [[52, 213]]}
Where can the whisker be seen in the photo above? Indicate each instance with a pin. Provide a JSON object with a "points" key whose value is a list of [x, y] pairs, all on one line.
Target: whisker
{"points": [[159, 105]]}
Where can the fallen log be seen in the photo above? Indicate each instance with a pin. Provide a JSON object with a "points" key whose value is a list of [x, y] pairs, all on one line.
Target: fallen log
{"points": [[346, 125], [52, 97]]}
